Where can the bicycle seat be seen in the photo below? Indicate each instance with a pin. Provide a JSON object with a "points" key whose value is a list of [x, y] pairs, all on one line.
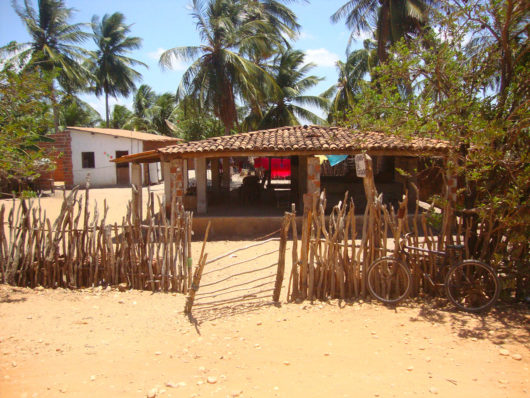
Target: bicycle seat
{"points": [[455, 247]]}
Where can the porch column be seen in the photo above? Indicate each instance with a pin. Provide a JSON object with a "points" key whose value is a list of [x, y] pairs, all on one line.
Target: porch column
{"points": [[225, 182], [200, 177], [313, 175], [177, 166], [167, 176], [136, 180], [302, 175], [216, 178], [185, 184]]}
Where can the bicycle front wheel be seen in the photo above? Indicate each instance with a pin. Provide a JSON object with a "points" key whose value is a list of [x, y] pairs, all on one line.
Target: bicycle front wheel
{"points": [[389, 280], [472, 286]]}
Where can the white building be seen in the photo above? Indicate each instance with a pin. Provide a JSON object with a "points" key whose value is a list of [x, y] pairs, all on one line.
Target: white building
{"points": [[88, 151]]}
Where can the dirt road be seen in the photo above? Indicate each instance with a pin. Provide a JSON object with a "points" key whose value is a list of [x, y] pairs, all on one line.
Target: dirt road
{"points": [[105, 343]]}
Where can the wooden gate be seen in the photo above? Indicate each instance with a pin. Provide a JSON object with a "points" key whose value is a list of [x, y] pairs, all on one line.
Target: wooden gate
{"points": [[234, 282]]}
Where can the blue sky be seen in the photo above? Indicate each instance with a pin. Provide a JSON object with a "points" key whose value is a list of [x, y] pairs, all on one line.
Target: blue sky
{"points": [[163, 24]]}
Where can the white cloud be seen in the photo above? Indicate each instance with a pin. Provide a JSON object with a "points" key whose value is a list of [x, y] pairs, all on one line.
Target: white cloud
{"points": [[321, 57], [177, 64], [156, 54], [304, 35]]}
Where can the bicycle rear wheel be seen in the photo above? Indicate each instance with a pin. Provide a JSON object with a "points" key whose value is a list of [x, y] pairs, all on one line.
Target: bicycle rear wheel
{"points": [[472, 286], [389, 280]]}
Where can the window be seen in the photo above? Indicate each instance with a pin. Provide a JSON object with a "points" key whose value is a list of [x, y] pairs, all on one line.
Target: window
{"points": [[87, 160]]}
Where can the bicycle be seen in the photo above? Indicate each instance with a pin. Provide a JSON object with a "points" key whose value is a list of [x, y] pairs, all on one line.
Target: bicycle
{"points": [[470, 285]]}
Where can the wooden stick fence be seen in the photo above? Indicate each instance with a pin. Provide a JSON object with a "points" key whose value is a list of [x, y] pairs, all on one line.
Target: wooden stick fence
{"points": [[81, 249], [332, 259]]}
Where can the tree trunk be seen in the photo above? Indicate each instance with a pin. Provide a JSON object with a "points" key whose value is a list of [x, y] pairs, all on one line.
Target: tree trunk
{"points": [[55, 109], [107, 108]]}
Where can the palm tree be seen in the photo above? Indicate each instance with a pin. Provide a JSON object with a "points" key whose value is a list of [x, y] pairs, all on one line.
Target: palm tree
{"points": [[219, 73], [111, 68], [119, 117], [152, 112], [289, 73], [52, 49], [350, 82], [143, 99], [161, 112], [278, 17], [75, 112], [392, 20]]}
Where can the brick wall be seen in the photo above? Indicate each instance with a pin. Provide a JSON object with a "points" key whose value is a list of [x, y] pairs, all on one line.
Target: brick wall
{"points": [[177, 184], [61, 155], [313, 174]]}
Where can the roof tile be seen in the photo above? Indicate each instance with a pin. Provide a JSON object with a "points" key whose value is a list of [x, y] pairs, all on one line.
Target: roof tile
{"points": [[309, 138], [138, 135]]}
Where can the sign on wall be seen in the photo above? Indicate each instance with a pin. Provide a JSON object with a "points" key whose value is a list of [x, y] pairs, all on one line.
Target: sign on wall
{"points": [[360, 166]]}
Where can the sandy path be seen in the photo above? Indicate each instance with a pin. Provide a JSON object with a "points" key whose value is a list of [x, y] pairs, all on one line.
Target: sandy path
{"points": [[97, 343], [116, 199]]}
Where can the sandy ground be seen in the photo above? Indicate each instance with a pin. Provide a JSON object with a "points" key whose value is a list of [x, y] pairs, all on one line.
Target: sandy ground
{"points": [[115, 198], [106, 343]]}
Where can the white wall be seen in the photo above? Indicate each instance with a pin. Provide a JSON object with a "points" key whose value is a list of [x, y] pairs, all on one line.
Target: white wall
{"points": [[103, 146], [155, 173]]}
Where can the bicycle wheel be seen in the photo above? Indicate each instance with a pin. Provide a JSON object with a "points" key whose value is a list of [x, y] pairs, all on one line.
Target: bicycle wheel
{"points": [[389, 280], [472, 286]]}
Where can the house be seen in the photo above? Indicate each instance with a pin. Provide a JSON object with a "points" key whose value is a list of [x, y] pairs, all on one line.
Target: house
{"points": [[303, 145], [86, 152]]}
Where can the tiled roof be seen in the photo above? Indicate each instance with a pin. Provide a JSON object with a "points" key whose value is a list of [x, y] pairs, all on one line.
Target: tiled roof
{"points": [[137, 135], [310, 139]]}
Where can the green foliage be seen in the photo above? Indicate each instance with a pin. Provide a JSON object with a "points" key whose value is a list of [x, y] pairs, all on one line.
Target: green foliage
{"points": [[25, 118], [192, 124], [153, 113], [53, 49], [28, 194], [112, 69], [74, 112], [119, 117], [389, 20], [288, 103], [237, 37], [460, 88], [54, 40], [350, 83]]}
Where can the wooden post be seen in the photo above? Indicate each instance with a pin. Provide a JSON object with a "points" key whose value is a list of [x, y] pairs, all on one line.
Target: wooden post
{"points": [[166, 176], [281, 258], [306, 236], [449, 220], [198, 274], [225, 182], [184, 175], [312, 182], [368, 181], [200, 177], [216, 177], [136, 180], [294, 271]]}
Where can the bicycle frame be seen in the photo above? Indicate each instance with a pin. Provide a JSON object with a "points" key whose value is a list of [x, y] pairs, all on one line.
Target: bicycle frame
{"points": [[449, 257]]}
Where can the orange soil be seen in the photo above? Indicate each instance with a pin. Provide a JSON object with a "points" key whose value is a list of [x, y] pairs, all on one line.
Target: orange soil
{"points": [[99, 343]]}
